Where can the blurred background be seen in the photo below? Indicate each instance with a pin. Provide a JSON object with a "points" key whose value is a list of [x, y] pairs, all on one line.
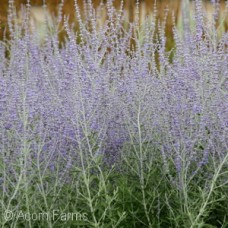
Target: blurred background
{"points": [[146, 9]]}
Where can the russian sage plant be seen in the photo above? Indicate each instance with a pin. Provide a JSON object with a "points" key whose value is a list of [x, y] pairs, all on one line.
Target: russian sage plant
{"points": [[111, 126]]}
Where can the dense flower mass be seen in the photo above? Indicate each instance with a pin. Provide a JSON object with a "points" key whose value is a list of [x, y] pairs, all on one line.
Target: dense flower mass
{"points": [[97, 88], [111, 89]]}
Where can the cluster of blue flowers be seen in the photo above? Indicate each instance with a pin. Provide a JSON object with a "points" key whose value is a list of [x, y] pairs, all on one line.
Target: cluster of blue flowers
{"points": [[92, 96]]}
